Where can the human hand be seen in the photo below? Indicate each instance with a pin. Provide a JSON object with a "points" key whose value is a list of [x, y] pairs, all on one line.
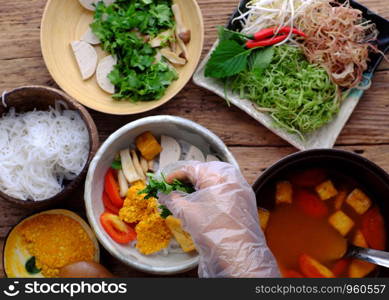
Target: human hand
{"points": [[222, 218]]}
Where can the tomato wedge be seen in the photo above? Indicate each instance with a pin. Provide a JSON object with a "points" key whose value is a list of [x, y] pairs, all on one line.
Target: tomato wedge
{"points": [[341, 266], [373, 229], [119, 231], [109, 205], [111, 187], [310, 204]]}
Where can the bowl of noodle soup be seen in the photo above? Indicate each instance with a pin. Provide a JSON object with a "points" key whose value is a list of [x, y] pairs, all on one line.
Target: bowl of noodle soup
{"points": [[47, 140]]}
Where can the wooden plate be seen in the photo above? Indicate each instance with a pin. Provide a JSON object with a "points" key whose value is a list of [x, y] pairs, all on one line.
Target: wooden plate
{"points": [[66, 21]]}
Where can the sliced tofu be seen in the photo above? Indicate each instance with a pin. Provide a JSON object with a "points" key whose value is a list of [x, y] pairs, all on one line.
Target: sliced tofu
{"points": [[360, 269], [359, 239], [195, 153], [264, 216], [86, 58], [211, 157], [284, 192], [89, 4], [171, 151], [90, 37], [326, 190], [339, 199], [182, 237], [341, 222], [358, 201], [105, 67]]}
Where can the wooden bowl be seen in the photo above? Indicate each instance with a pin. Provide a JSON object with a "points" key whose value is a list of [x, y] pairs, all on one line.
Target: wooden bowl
{"points": [[28, 98], [66, 21]]}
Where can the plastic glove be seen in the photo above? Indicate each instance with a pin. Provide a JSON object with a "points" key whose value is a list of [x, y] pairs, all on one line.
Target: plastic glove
{"points": [[222, 218]]}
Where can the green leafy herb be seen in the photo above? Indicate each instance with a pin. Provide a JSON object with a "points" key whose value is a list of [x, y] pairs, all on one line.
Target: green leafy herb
{"points": [[116, 164], [31, 266], [165, 212], [155, 186], [121, 27], [226, 34], [261, 59], [228, 59], [161, 186]]}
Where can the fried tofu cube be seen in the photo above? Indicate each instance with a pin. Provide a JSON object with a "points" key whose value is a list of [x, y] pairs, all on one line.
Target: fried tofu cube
{"points": [[311, 268], [358, 201], [326, 190], [148, 145], [284, 192], [264, 216], [182, 237], [339, 199], [341, 222], [360, 269], [359, 239]]}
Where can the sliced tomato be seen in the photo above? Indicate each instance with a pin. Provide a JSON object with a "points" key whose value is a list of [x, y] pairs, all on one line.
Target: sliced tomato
{"points": [[111, 187], [311, 268], [118, 230], [109, 205], [341, 266], [292, 274], [373, 229], [311, 204], [309, 178]]}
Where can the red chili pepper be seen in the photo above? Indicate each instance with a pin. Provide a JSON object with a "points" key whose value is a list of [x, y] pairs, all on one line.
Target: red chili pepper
{"points": [[267, 42], [111, 187], [119, 231], [109, 205], [268, 32]]}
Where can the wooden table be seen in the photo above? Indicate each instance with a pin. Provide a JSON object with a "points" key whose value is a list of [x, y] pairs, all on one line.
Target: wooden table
{"points": [[256, 148]]}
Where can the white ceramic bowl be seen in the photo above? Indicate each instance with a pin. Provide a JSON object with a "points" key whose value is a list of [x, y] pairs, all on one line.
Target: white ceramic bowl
{"points": [[179, 128]]}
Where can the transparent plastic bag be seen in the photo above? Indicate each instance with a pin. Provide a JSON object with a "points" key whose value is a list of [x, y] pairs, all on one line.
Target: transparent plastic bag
{"points": [[222, 218]]}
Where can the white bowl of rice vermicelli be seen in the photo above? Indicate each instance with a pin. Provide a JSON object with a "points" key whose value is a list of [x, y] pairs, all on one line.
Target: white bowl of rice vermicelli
{"points": [[47, 140]]}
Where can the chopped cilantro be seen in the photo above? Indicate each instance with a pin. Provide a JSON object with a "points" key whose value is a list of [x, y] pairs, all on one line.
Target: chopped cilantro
{"points": [[122, 27]]}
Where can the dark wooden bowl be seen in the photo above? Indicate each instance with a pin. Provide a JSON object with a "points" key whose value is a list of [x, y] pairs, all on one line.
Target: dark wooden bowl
{"points": [[28, 98]]}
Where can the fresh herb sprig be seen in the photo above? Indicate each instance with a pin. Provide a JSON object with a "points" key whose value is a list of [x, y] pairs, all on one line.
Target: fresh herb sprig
{"points": [[231, 57], [155, 186], [122, 28]]}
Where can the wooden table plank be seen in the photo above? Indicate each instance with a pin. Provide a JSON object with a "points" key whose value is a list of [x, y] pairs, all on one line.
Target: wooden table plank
{"points": [[254, 146]]}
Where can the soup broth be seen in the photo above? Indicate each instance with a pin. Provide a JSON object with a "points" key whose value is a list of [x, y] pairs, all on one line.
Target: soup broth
{"points": [[314, 214]]}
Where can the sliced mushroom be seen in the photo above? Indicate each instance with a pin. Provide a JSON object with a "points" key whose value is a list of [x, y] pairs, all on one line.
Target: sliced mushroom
{"points": [[105, 67], [128, 167], [194, 153], [171, 151], [211, 157], [138, 167], [90, 37], [86, 58], [144, 165], [123, 184], [172, 57], [161, 38], [150, 165], [182, 32], [89, 4]]}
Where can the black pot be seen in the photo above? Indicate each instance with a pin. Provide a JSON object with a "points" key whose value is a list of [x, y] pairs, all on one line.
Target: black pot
{"points": [[371, 178]]}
